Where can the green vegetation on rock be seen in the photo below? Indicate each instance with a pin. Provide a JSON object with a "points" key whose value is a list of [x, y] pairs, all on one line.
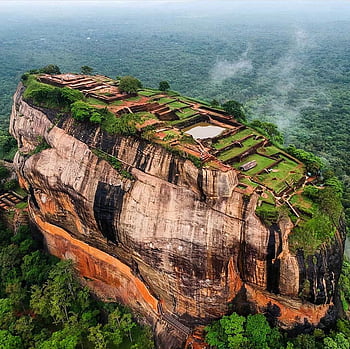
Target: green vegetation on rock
{"points": [[326, 213], [164, 86], [42, 145], [49, 96], [83, 111], [129, 84], [114, 162], [234, 108], [268, 213]]}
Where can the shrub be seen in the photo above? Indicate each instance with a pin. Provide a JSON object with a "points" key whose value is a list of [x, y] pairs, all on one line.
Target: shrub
{"points": [[311, 192], [114, 162], [50, 69], [50, 96], [196, 162], [312, 162], [129, 84], [68, 96], [4, 172], [310, 234], [164, 86], [83, 111], [268, 213], [124, 125], [10, 185], [40, 147]]}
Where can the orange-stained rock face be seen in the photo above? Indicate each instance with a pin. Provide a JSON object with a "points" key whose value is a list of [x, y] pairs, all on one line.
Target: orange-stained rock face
{"points": [[110, 277], [290, 311], [175, 234]]}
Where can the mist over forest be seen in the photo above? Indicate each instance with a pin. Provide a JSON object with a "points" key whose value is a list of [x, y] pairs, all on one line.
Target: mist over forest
{"points": [[287, 61]]}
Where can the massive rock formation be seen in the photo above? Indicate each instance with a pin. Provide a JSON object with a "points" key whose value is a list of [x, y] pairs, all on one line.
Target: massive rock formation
{"points": [[175, 239]]}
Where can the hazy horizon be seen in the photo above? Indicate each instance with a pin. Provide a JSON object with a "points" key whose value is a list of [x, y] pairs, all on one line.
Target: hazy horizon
{"points": [[258, 52]]}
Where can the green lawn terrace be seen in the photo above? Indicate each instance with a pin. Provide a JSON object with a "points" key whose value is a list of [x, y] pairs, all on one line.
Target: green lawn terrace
{"points": [[171, 120]]}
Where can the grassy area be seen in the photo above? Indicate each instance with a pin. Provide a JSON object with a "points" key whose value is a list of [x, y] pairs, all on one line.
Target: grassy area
{"points": [[165, 100], [133, 99], [231, 153], [172, 93], [22, 205], [95, 101], [185, 113], [145, 115], [117, 103], [303, 204], [247, 181], [262, 162], [195, 100], [147, 93], [177, 105], [171, 135], [222, 143], [271, 150], [267, 197], [176, 122], [286, 171]]}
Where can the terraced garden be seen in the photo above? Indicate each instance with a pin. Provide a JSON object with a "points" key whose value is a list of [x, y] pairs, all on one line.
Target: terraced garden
{"points": [[237, 150], [285, 174], [304, 204], [186, 113], [148, 93], [168, 115], [177, 105], [165, 100], [224, 142], [262, 163]]}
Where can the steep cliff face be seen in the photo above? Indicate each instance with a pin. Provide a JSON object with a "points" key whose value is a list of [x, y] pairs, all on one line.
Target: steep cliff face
{"points": [[175, 239]]}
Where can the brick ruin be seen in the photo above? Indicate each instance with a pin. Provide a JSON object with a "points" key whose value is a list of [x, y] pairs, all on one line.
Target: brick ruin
{"points": [[168, 118]]}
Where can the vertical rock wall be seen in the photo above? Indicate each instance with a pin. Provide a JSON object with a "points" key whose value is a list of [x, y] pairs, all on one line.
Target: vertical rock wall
{"points": [[175, 234]]}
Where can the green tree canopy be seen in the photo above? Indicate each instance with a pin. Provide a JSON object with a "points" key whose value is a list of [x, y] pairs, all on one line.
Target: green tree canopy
{"points": [[164, 86], [228, 332], [269, 129], [258, 331], [50, 69], [82, 111], [214, 103], [86, 70], [129, 84], [52, 97], [235, 109], [312, 162], [4, 172], [9, 341]]}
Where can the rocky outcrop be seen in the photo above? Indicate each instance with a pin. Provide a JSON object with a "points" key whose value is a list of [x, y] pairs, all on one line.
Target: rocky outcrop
{"points": [[174, 239]]}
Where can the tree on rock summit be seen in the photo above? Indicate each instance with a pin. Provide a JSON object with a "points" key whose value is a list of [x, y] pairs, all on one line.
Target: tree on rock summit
{"points": [[129, 84], [86, 70], [164, 86]]}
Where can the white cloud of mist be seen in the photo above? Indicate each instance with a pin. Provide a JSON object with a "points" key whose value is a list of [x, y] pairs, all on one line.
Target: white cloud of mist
{"points": [[224, 69], [287, 75]]}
